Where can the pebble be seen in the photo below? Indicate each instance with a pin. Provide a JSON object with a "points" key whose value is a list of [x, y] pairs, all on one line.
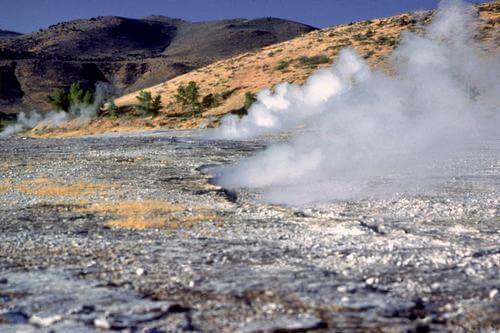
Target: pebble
{"points": [[45, 321], [102, 323]]}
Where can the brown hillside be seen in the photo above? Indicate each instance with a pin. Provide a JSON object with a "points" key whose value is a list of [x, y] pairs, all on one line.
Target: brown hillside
{"points": [[130, 53], [253, 71], [373, 39]]}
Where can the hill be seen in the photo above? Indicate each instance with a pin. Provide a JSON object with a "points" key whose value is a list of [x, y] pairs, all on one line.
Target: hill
{"points": [[8, 34], [130, 53], [294, 60]]}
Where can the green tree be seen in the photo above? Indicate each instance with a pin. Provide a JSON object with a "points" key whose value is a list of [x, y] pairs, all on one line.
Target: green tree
{"points": [[79, 96], [188, 96], [76, 94], [112, 109], [249, 99], [88, 98], [58, 100], [147, 103]]}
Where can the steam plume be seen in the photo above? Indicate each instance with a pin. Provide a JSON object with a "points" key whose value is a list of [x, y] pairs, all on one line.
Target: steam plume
{"points": [[369, 133], [56, 118]]}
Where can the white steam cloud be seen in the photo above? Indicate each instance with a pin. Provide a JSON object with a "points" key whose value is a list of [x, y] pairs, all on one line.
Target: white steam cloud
{"points": [[57, 118], [368, 133], [291, 104]]}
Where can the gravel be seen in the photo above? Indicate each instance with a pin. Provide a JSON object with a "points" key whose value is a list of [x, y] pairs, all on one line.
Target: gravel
{"points": [[411, 263]]}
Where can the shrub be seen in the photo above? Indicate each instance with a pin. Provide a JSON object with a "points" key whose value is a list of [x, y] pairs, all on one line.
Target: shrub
{"points": [[147, 103], [384, 40], [314, 61], [211, 101], [58, 100], [363, 37], [368, 54], [112, 109], [227, 93], [250, 98], [239, 112], [88, 98], [283, 65], [4, 123], [403, 21], [61, 100], [188, 97], [76, 94]]}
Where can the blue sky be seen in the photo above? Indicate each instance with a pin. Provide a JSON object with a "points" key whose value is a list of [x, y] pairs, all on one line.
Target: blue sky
{"points": [[29, 15]]}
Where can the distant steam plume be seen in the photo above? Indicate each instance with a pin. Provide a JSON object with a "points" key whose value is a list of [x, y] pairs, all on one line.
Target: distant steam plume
{"points": [[368, 133], [57, 118]]}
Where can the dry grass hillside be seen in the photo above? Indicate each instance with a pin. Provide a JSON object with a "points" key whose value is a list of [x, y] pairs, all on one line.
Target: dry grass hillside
{"points": [[291, 61]]}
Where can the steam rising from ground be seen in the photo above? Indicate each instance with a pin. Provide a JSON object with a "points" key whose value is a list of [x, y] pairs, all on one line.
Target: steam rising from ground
{"points": [[368, 133], [78, 113]]}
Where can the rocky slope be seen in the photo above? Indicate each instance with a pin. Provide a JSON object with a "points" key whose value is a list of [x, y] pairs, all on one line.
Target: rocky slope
{"points": [[130, 53]]}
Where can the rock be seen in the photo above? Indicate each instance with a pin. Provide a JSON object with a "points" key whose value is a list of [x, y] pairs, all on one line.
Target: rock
{"points": [[102, 323], [44, 321], [284, 324], [13, 317]]}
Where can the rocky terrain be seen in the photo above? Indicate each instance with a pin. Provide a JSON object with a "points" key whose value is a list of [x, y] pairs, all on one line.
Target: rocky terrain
{"points": [[127, 233], [130, 53]]}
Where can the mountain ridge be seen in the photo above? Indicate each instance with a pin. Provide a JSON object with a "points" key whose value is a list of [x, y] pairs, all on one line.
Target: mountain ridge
{"points": [[130, 53], [9, 34]]}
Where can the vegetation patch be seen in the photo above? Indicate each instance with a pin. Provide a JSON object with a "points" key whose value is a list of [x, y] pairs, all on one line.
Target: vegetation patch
{"points": [[385, 40], [314, 61], [5, 123], [283, 65], [62, 100], [148, 104], [214, 100], [363, 37], [145, 214], [188, 97], [46, 187], [250, 98]]}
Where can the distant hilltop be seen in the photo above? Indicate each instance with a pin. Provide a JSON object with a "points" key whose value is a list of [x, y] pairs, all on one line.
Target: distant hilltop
{"points": [[130, 53], [9, 34]]}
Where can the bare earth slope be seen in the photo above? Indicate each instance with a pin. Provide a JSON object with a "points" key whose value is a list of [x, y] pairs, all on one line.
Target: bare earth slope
{"points": [[131, 53]]}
